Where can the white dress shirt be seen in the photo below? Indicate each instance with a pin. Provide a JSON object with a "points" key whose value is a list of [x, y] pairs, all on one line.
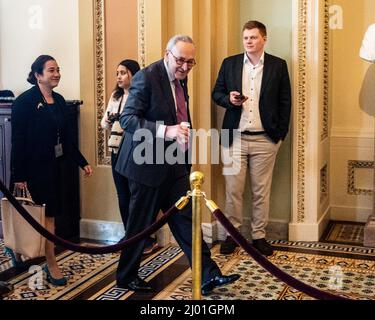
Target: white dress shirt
{"points": [[251, 85], [367, 51]]}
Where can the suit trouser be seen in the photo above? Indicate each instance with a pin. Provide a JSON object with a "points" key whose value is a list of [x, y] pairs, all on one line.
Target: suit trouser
{"points": [[145, 204], [123, 192], [259, 153]]}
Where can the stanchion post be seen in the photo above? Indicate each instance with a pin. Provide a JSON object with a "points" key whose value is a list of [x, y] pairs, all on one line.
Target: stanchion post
{"points": [[196, 181]]}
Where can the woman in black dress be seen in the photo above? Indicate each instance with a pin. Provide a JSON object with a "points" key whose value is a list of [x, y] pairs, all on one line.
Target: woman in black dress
{"points": [[41, 141]]}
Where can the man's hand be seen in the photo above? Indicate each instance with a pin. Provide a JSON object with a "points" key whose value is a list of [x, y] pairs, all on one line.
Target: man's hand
{"points": [[235, 100], [20, 185], [178, 132]]}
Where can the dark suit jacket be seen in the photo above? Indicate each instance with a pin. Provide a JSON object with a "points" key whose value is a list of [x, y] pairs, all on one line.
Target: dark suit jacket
{"points": [[275, 95], [150, 101], [34, 136]]}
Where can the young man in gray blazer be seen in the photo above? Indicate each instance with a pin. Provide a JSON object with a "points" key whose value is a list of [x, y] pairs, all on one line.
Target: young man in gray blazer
{"points": [[254, 88]]}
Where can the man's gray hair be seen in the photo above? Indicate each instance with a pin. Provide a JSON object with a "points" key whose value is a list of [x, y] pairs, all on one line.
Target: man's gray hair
{"points": [[172, 41]]}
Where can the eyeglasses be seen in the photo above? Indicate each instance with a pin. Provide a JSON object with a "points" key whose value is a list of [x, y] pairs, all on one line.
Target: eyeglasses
{"points": [[181, 61]]}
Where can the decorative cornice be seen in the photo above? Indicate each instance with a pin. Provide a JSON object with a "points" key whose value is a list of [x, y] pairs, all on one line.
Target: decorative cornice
{"points": [[301, 113]]}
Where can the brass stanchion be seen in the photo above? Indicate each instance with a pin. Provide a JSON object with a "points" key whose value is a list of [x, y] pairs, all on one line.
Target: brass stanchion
{"points": [[196, 181]]}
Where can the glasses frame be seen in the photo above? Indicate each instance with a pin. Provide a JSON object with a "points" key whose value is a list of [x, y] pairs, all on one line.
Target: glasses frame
{"points": [[181, 61]]}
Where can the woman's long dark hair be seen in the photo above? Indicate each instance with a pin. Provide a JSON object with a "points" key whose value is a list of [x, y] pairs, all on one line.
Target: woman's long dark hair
{"points": [[37, 67]]}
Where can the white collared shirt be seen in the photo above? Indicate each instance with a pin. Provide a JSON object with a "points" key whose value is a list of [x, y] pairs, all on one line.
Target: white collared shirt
{"points": [[367, 51], [251, 85]]}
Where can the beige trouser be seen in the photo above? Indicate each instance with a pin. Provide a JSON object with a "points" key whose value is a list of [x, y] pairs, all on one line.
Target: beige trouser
{"points": [[259, 153]]}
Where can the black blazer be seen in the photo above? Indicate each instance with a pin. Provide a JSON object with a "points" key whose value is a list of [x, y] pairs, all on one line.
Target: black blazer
{"points": [[274, 100], [150, 103], [34, 136]]}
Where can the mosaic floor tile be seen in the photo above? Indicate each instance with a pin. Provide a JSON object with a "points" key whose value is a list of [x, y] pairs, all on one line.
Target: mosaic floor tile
{"points": [[344, 232], [342, 276]]}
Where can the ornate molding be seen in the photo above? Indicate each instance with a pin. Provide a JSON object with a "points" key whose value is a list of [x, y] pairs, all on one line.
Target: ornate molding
{"points": [[302, 96], [301, 106], [141, 34], [323, 183], [352, 165], [102, 157], [325, 112]]}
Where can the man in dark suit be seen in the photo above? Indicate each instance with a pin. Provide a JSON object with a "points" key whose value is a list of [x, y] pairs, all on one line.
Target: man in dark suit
{"points": [[254, 88], [155, 133]]}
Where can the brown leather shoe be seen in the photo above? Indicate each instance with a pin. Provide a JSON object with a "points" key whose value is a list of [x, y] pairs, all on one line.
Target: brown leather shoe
{"points": [[263, 247], [228, 246]]}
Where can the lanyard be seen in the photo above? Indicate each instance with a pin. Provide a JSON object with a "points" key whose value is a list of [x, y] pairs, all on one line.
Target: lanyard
{"points": [[54, 115]]}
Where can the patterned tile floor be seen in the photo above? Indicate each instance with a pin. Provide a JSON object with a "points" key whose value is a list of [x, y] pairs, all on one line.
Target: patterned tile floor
{"points": [[352, 278], [83, 272], [340, 268], [344, 232]]}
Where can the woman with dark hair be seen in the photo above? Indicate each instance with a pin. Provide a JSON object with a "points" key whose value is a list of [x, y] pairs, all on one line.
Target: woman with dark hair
{"points": [[126, 69], [41, 143]]}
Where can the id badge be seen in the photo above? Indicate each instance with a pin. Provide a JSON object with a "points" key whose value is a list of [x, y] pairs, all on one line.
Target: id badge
{"points": [[58, 150]]}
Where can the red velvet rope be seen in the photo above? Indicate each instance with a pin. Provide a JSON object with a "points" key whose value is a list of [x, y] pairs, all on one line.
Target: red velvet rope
{"points": [[84, 249], [270, 267]]}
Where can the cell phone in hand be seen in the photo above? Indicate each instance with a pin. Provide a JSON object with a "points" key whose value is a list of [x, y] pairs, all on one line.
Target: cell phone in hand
{"points": [[239, 97]]}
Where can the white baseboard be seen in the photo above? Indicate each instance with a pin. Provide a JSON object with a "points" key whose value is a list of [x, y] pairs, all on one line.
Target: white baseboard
{"points": [[114, 231], [101, 230], [276, 230], [210, 232], [309, 231], [350, 214]]}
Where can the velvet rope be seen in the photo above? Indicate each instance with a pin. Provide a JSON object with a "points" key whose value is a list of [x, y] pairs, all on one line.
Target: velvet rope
{"points": [[270, 267], [85, 249]]}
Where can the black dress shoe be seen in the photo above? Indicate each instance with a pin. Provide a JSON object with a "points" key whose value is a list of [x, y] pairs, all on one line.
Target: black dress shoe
{"points": [[263, 247], [137, 285], [218, 281], [228, 246], [5, 289]]}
